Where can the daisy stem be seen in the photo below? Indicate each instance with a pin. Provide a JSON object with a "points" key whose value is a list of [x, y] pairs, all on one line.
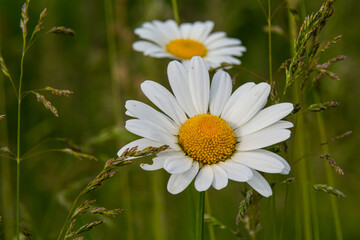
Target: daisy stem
{"points": [[200, 216], [208, 211], [269, 41], [175, 11], [329, 173]]}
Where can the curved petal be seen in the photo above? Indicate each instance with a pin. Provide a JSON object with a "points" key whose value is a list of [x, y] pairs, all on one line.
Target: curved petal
{"points": [[158, 163], [140, 144], [232, 50], [236, 171], [260, 184], [220, 92], [263, 138], [199, 84], [147, 47], [286, 169], [220, 177], [185, 29], [178, 164], [143, 111], [214, 37], [151, 131], [153, 36], [225, 42], [164, 100], [248, 104], [178, 81], [256, 159], [178, 182], [266, 117], [239, 92], [204, 178]]}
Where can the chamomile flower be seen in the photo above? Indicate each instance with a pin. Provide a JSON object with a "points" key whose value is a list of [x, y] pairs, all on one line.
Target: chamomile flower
{"points": [[169, 40], [213, 134]]}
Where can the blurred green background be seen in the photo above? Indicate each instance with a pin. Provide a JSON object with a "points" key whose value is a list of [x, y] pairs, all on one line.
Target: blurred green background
{"points": [[101, 68]]}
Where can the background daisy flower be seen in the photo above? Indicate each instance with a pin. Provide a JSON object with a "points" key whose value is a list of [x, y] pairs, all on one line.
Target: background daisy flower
{"points": [[169, 40], [213, 135]]}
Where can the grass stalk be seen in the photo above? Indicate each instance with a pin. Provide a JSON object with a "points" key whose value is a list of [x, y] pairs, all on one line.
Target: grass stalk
{"points": [[175, 11], [329, 171], [269, 42], [199, 231], [113, 58], [208, 211]]}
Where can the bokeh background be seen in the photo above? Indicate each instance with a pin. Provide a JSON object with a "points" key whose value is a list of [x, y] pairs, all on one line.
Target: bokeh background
{"points": [[103, 71]]}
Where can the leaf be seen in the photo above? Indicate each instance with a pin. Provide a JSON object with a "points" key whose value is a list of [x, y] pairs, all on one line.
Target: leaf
{"points": [[62, 30], [328, 189], [47, 104]]}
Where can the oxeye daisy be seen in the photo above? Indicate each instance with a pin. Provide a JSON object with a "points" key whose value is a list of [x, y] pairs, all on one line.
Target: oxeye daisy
{"points": [[169, 40], [213, 134]]}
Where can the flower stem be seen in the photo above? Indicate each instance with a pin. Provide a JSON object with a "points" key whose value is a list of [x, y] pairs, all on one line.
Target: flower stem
{"points": [[329, 176], [200, 216], [175, 11], [208, 211], [269, 41]]}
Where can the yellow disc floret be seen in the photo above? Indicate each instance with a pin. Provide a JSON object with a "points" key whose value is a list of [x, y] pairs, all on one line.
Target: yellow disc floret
{"points": [[186, 48], [207, 139]]}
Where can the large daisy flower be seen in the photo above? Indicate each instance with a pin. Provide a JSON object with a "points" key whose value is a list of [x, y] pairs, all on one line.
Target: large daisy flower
{"points": [[213, 135], [168, 39]]}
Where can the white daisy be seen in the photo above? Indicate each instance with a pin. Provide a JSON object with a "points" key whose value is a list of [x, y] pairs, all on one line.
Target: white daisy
{"points": [[213, 134], [167, 39]]}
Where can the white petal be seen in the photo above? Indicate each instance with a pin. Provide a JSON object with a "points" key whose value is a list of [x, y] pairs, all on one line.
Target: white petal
{"points": [[172, 29], [256, 159], [178, 182], [127, 113], [266, 117], [178, 164], [158, 163], [163, 30], [234, 51], [220, 177], [248, 104], [141, 144], [216, 61], [185, 29], [207, 27], [225, 42], [234, 98], [214, 37], [220, 92], [151, 131], [197, 31], [153, 36], [263, 138], [236, 171], [164, 100], [199, 84], [147, 47], [145, 112], [179, 84], [260, 184], [204, 178], [286, 169]]}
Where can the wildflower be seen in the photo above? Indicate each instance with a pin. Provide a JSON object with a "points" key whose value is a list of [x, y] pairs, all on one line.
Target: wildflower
{"points": [[212, 135], [169, 40]]}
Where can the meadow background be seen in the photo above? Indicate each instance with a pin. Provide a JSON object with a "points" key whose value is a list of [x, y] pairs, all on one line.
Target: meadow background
{"points": [[103, 71]]}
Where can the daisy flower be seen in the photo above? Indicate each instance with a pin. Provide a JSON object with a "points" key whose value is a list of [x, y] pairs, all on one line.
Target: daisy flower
{"points": [[213, 134], [169, 40]]}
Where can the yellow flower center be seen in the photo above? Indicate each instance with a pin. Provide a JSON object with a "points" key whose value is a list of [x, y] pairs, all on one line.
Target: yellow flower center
{"points": [[186, 48], [207, 139]]}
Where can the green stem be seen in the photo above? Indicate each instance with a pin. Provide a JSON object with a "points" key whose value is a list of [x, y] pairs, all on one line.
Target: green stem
{"points": [[175, 11], [208, 211], [18, 142], [269, 41], [200, 217], [68, 216], [329, 173]]}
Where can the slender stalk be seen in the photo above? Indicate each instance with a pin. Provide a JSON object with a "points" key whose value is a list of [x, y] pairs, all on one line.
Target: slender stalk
{"points": [[175, 11], [208, 211], [269, 41], [68, 216], [329, 173], [200, 216]]}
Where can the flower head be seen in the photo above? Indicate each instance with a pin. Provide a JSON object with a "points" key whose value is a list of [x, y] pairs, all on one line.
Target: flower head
{"points": [[213, 134], [168, 39]]}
